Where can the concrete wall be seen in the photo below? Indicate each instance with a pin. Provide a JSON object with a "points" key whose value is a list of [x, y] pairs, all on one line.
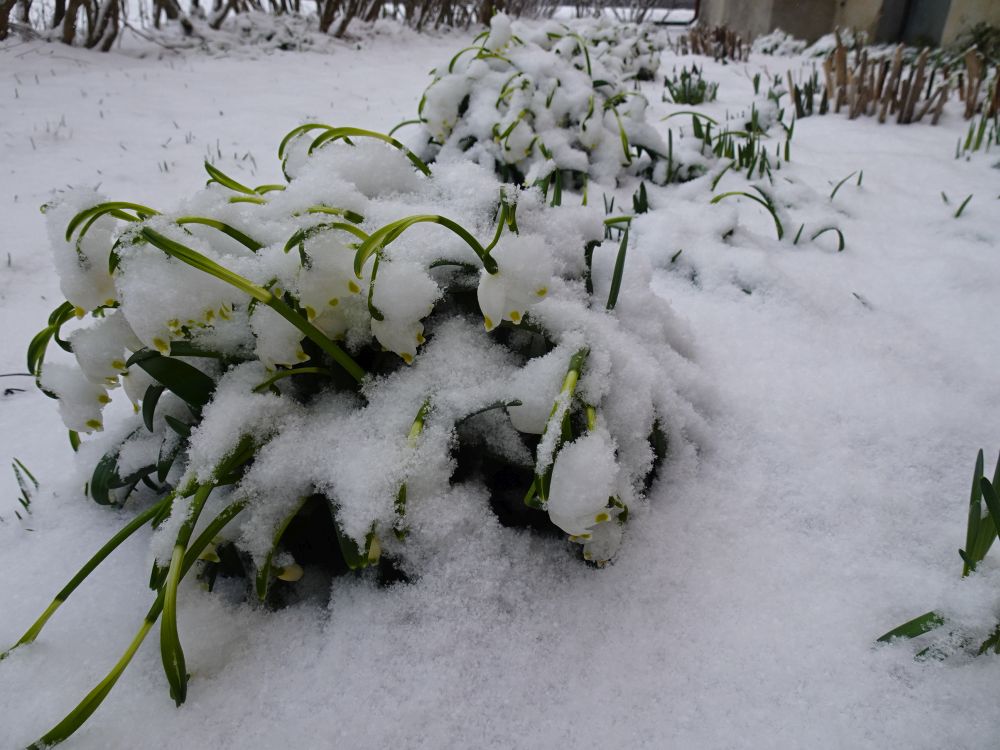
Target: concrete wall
{"points": [[804, 19], [965, 14], [882, 20], [863, 15], [748, 18]]}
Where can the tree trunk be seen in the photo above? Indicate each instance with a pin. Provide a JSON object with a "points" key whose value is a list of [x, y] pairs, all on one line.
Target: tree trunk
{"points": [[6, 6], [69, 21], [327, 15]]}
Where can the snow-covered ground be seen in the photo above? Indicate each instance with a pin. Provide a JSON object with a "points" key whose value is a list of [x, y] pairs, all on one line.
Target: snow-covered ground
{"points": [[845, 395]]}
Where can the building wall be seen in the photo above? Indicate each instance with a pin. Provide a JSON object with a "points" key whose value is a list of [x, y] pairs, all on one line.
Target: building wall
{"points": [[804, 19], [882, 20], [965, 14], [750, 19], [863, 15]]}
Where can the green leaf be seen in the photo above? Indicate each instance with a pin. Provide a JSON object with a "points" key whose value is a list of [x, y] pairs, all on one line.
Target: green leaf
{"points": [[149, 402], [217, 175], [76, 718], [840, 236], [181, 428], [616, 278], [765, 202], [110, 546], [349, 549], [93, 213], [263, 580], [183, 380], [345, 133], [917, 626], [226, 229], [838, 185], [105, 478], [975, 515]]}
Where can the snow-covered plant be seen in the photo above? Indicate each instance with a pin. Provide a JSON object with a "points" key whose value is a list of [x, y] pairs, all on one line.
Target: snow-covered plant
{"points": [[689, 87], [332, 370], [545, 106], [981, 533]]}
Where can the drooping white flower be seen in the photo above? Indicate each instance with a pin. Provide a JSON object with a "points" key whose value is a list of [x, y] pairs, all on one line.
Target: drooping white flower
{"points": [[583, 481], [327, 285], [584, 478], [80, 400], [524, 271], [404, 295], [101, 349], [500, 33], [278, 342]]}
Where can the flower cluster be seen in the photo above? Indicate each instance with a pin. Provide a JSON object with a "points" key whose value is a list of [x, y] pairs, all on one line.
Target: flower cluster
{"points": [[548, 102]]}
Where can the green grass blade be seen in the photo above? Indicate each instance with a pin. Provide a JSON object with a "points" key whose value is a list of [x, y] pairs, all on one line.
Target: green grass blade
{"points": [[103, 208], [289, 373], [217, 175], [263, 580], [380, 238], [765, 203], [838, 185], [170, 646], [840, 236], [345, 133], [226, 229], [199, 261], [961, 208], [76, 718], [110, 546], [616, 278], [975, 516], [917, 626], [183, 380]]}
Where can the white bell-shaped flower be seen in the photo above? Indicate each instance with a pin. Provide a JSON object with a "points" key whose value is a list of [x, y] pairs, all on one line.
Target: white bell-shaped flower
{"points": [[327, 286], [583, 481], [524, 272], [404, 295], [101, 349], [278, 342], [500, 33], [80, 400]]}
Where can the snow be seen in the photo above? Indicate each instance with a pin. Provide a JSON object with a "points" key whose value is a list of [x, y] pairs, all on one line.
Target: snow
{"points": [[828, 422]]}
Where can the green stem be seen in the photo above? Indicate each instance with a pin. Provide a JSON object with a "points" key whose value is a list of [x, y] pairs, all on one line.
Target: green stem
{"points": [[170, 645], [197, 260], [558, 417], [76, 718], [130, 528]]}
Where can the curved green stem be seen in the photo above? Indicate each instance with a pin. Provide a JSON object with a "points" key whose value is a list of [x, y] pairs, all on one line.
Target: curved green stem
{"points": [[110, 546], [226, 229], [289, 373], [76, 718], [90, 215], [197, 260], [346, 133]]}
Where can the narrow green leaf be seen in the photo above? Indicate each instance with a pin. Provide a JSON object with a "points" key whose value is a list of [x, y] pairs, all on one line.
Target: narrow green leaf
{"points": [[975, 515], [110, 546], [917, 626], [183, 380], [217, 175], [837, 186], [149, 402], [616, 278], [840, 236], [263, 580]]}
